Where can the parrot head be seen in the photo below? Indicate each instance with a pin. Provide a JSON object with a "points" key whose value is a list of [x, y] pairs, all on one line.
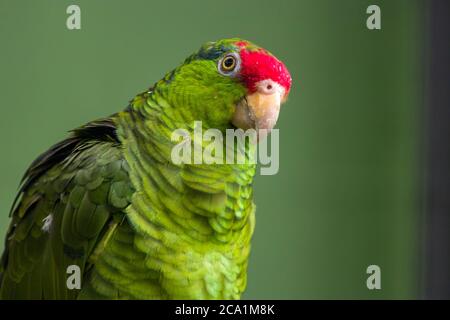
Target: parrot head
{"points": [[231, 83]]}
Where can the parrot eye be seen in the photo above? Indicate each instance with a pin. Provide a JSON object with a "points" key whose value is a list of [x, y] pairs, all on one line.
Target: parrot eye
{"points": [[229, 64]]}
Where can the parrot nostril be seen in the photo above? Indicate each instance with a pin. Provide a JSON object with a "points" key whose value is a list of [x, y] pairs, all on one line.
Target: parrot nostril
{"points": [[267, 86]]}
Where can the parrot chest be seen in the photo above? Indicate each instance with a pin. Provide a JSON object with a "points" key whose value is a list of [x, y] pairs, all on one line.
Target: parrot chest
{"points": [[198, 269], [164, 263], [204, 275], [191, 225]]}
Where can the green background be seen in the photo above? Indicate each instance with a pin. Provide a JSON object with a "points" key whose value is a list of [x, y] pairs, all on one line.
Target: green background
{"points": [[347, 193]]}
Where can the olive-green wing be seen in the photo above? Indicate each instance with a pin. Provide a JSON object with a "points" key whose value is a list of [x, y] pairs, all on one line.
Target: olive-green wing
{"points": [[72, 198]]}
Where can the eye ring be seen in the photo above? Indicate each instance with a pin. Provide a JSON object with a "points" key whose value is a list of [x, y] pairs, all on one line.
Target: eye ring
{"points": [[229, 64]]}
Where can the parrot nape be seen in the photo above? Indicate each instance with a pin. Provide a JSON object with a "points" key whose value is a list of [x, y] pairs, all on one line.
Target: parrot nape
{"points": [[109, 200]]}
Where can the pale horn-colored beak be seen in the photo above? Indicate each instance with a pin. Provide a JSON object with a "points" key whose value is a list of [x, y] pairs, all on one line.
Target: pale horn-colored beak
{"points": [[260, 109]]}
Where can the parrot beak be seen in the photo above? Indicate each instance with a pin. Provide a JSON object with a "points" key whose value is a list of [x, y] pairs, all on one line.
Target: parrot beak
{"points": [[260, 110]]}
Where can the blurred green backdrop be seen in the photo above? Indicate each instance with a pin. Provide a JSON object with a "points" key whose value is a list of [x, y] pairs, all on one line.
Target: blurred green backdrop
{"points": [[346, 195]]}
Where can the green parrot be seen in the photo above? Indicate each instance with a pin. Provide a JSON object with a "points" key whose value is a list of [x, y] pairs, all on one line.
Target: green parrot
{"points": [[109, 205]]}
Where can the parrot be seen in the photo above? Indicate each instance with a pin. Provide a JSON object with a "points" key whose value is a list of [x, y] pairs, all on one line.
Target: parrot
{"points": [[107, 214]]}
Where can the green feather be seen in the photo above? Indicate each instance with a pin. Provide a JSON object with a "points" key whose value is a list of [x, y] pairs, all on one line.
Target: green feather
{"points": [[110, 200]]}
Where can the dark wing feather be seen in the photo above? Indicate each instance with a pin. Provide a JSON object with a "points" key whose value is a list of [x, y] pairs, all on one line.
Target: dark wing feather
{"points": [[99, 130], [62, 211]]}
